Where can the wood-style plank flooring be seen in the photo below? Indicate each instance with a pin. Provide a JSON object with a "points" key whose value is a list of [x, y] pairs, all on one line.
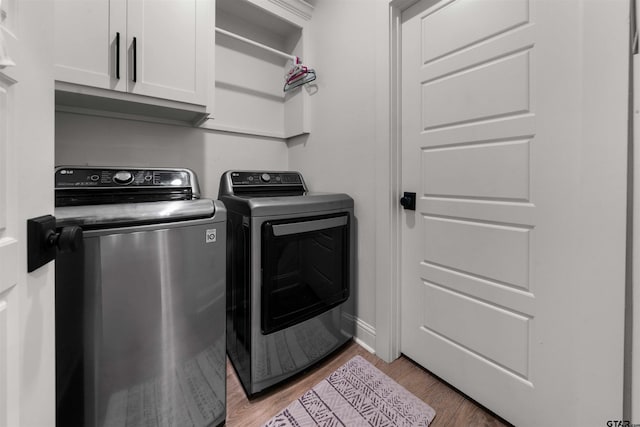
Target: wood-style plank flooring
{"points": [[452, 408]]}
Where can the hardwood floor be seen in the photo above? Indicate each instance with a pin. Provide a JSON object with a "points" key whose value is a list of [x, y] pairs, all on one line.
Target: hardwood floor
{"points": [[452, 408]]}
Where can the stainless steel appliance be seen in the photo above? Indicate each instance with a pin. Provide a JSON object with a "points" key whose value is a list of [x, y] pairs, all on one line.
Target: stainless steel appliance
{"points": [[290, 275], [140, 324]]}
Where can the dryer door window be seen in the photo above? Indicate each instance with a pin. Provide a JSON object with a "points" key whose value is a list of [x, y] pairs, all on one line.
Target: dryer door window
{"points": [[305, 268]]}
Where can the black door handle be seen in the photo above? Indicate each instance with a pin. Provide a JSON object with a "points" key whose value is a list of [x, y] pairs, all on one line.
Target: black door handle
{"points": [[118, 56], [43, 241], [135, 60], [408, 201]]}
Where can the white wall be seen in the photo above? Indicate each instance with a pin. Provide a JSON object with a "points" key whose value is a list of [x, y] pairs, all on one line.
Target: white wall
{"points": [[339, 154], [99, 141], [344, 43]]}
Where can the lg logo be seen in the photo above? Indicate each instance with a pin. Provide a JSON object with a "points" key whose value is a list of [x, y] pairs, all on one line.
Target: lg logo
{"points": [[210, 236]]}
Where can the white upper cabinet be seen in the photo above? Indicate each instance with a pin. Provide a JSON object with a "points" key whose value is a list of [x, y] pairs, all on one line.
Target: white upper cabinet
{"points": [[153, 50], [90, 43], [169, 40]]}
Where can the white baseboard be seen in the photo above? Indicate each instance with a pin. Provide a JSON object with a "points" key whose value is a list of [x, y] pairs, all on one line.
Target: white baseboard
{"points": [[365, 334]]}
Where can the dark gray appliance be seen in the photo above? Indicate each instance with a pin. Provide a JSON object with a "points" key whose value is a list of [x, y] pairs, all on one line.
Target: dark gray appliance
{"points": [[290, 275], [140, 323]]}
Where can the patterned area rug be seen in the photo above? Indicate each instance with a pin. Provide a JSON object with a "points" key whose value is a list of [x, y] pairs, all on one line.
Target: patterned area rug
{"points": [[356, 394]]}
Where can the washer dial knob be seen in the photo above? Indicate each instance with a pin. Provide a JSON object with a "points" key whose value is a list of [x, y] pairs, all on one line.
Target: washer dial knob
{"points": [[123, 177], [265, 177]]}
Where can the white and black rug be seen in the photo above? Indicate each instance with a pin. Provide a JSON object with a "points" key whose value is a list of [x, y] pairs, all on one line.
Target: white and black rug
{"points": [[356, 394]]}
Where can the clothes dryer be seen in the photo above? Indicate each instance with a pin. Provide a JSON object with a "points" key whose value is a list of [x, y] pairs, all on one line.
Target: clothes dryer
{"points": [[290, 275]]}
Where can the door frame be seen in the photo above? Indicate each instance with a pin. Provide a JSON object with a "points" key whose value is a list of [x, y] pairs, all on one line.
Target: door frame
{"points": [[388, 182]]}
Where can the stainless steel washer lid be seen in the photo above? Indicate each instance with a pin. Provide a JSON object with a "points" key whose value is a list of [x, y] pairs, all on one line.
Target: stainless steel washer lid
{"points": [[99, 216]]}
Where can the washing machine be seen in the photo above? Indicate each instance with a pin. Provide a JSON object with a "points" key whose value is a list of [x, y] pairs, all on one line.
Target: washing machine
{"points": [[140, 323], [290, 275]]}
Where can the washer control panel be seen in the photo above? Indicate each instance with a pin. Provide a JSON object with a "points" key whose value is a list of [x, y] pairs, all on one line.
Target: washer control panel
{"points": [[265, 178], [113, 178]]}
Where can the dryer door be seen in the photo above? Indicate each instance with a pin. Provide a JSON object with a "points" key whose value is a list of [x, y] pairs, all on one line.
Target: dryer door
{"points": [[305, 268]]}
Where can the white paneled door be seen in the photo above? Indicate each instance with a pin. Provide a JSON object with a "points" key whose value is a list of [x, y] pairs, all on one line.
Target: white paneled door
{"points": [[27, 329], [514, 135]]}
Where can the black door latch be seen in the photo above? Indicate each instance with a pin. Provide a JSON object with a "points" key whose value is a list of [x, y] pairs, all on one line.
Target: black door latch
{"points": [[43, 241], [408, 201]]}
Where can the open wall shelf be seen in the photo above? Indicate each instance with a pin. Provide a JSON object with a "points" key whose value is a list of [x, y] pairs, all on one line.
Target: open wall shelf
{"points": [[249, 96]]}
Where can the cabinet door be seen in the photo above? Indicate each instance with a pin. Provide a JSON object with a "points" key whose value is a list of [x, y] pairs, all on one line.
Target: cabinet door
{"points": [[86, 42], [172, 39]]}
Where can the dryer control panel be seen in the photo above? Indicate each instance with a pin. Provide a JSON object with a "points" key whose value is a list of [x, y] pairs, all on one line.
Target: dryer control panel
{"points": [[262, 184], [265, 178]]}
